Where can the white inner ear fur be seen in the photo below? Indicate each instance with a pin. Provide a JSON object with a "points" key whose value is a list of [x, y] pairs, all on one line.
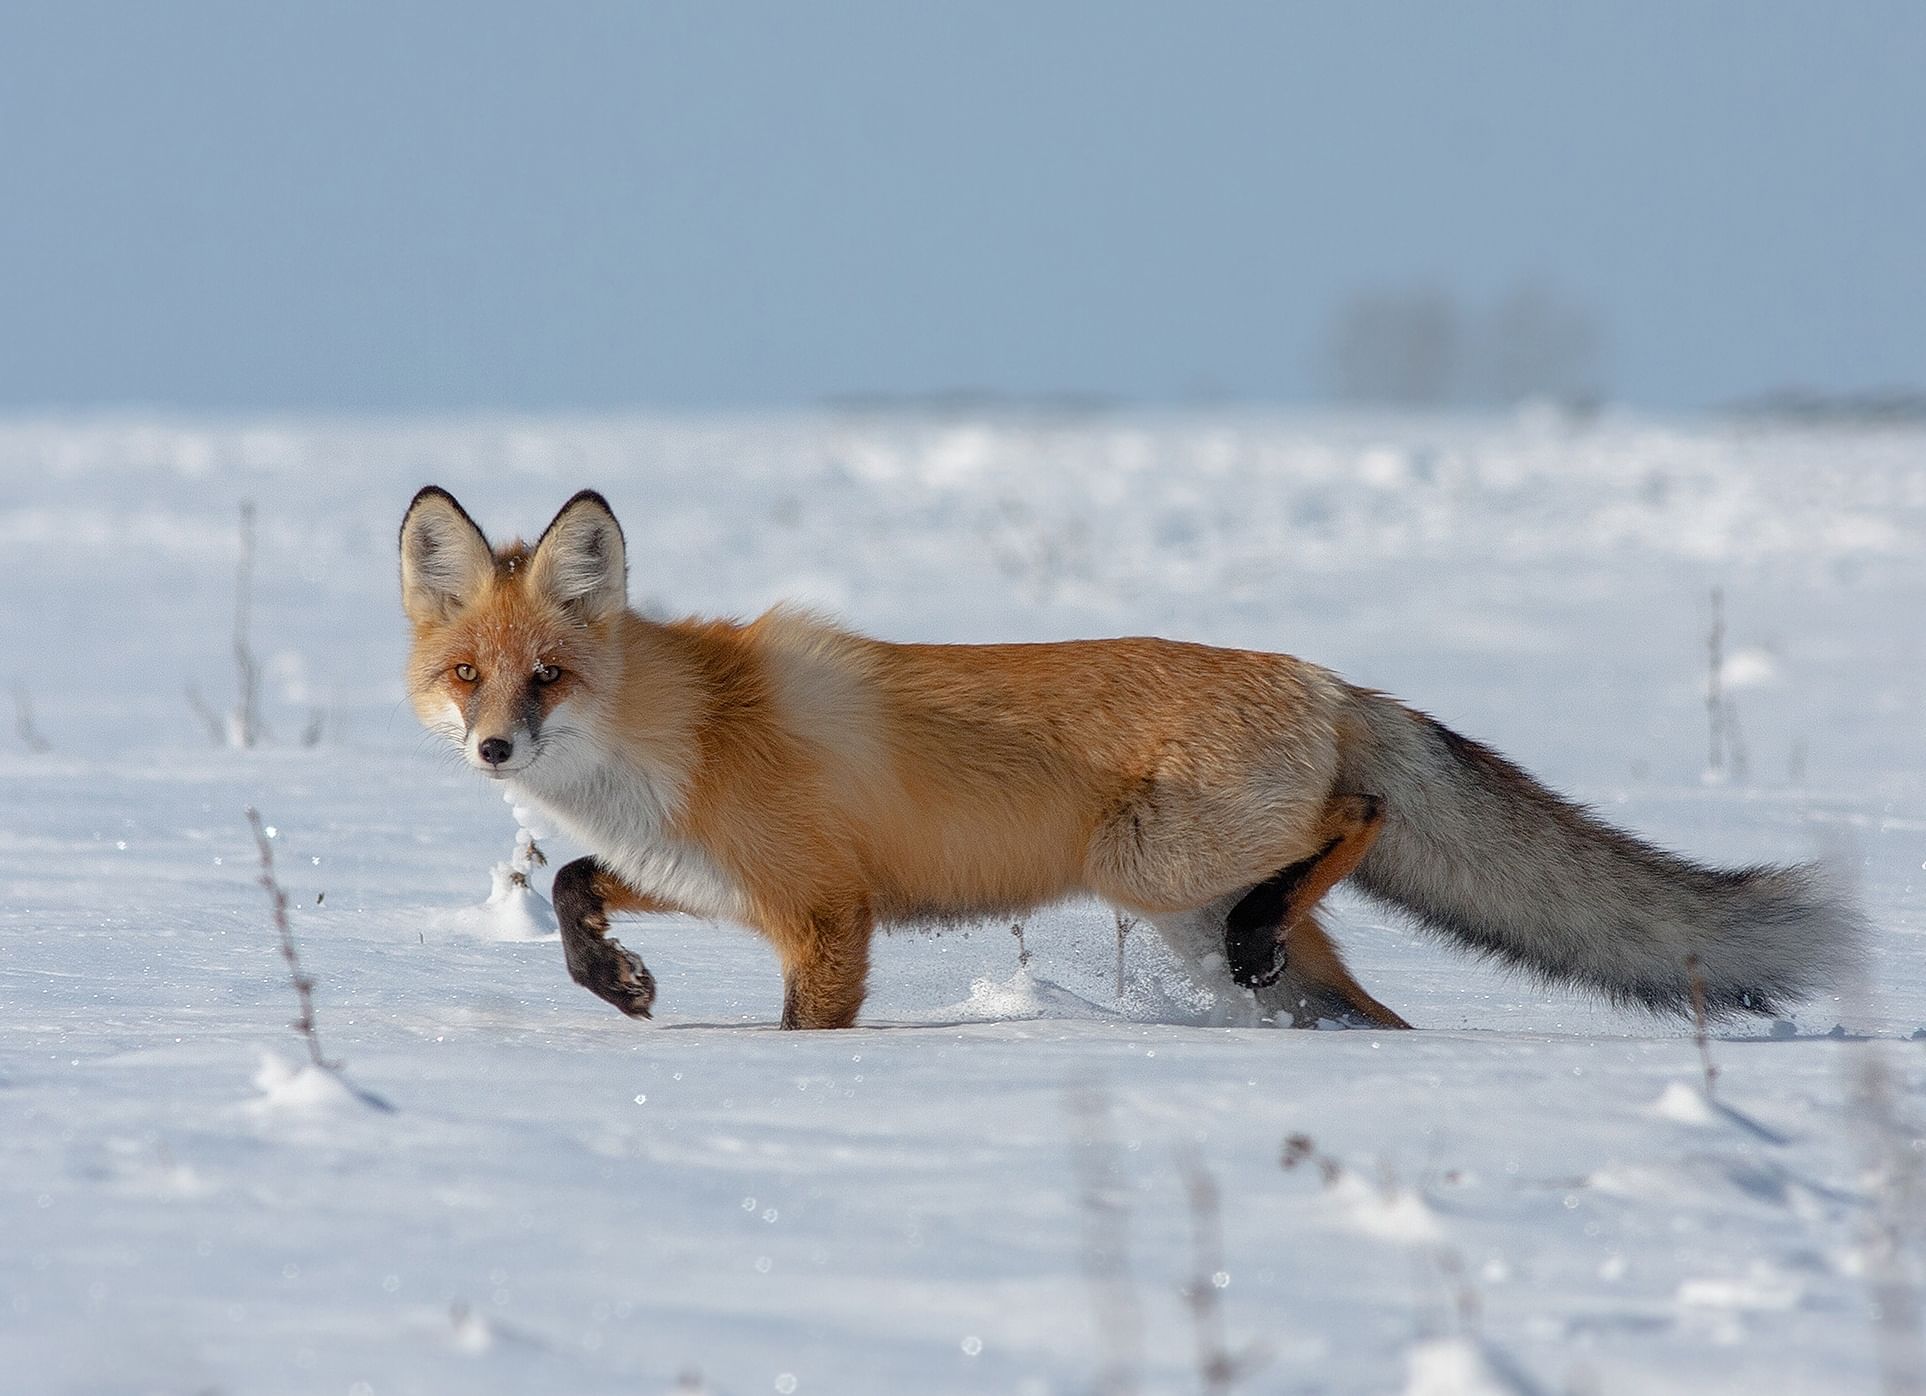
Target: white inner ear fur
{"points": [[581, 562], [443, 561]]}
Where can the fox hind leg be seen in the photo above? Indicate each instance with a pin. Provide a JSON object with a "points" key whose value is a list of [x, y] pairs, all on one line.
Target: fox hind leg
{"points": [[1316, 984], [1257, 930], [1254, 931], [1266, 944]]}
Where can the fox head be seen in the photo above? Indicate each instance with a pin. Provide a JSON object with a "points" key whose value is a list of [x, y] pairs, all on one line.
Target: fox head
{"points": [[511, 643]]}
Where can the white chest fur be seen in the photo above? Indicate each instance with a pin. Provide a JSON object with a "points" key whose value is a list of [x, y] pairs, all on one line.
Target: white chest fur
{"points": [[621, 815]]}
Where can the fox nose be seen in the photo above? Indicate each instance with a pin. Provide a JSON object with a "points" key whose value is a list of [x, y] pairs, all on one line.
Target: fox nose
{"points": [[495, 750]]}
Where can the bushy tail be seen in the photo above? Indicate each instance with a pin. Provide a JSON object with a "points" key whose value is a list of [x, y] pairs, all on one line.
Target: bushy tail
{"points": [[1481, 851]]}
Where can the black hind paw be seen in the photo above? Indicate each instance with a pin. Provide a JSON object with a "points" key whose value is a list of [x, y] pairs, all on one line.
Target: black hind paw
{"points": [[1254, 951], [1254, 963], [1253, 933]]}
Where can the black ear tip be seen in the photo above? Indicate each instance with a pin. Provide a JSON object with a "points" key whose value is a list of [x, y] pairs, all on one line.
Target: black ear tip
{"points": [[435, 493], [428, 492], [588, 497], [432, 494]]}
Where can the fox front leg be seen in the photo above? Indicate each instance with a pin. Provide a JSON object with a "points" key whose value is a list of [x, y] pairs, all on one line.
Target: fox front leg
{"points": [[584, 895], [825, 967]]}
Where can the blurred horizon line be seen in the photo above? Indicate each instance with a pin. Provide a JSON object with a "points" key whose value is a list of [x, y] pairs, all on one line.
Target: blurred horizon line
{"points": [[1896, 404]]}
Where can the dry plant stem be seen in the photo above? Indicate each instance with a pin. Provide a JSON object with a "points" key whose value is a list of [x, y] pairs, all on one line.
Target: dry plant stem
{"points": [[524, 860], [1217, 1369], [1301, 1149], [1465, 1303], [1467, 1306], [1124, 923], [247, 672], [1023, 951], [1714, 695], [1736, 758], [1696, 978], [1106, 1245], [216, 732], [303, 985], [1891, 1249], [23, 723]]}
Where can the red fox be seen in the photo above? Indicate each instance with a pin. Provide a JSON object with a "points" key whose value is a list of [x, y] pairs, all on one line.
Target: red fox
{"points": [[814, 784]]}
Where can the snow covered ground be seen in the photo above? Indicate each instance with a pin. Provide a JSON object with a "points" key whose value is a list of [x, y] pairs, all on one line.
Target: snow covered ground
{"points": [[983, 1188]]}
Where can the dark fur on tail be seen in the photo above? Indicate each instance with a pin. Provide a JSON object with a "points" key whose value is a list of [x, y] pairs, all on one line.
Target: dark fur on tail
{"points": [[1479, 850]]}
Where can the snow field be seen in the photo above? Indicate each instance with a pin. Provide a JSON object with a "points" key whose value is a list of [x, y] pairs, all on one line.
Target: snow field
{"points": [[1531, 1194]]}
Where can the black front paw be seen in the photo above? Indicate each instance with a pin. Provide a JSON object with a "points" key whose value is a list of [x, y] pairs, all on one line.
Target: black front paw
{"points": [[610, 971]]}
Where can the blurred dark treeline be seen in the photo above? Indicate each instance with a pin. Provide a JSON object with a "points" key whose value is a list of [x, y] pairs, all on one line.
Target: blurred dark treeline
{"points": [[1420, 346]]}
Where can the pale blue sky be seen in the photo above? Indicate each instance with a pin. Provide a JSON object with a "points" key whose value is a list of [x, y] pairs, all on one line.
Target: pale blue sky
{"points": [[437, 206]]}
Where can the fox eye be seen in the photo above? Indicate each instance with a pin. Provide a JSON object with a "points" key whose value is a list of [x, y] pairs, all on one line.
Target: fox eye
{"points": [[547, 673], [466, 673]]}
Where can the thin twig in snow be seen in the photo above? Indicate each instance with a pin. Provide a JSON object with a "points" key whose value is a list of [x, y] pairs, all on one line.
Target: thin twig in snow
{"points": [[1106, 1245], [303, 984], [527, 857], [1300, 1149], [242, 727], [1736, 757], [1124, 923], [1714, 694], [1695, 977], [1899, 1198], [23, 722], [1466, 1305], [216, 729], [1218, 1369], [247, 671], [1725, 739]]}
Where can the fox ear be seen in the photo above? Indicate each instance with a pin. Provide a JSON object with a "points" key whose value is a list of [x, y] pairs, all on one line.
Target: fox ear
{"points": [[444, 557], [581, 562]]}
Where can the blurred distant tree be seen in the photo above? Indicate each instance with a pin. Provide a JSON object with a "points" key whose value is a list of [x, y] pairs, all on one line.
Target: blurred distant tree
{"points": [[1398, 347], [1416, 348], [1536, 344]]}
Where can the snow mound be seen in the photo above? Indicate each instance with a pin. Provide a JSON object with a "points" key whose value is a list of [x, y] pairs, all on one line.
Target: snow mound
{"points": [[1749, 668], [307, 1092], [1021, 997], [139, 1168], [1461, 1367], [1683, 1104], [1026, 996], [1763, 1291], [1387, 1212], [1686, 1104], [469, 1333], [514, 911]]}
